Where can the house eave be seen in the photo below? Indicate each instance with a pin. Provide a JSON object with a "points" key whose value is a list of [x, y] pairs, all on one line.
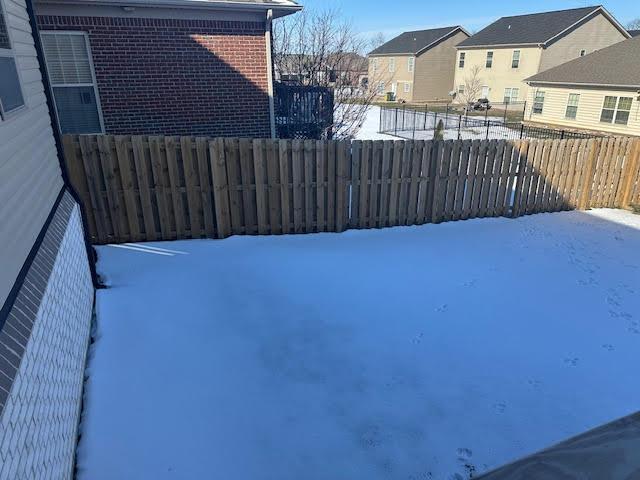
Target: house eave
{"points": [[583, 84], [500, 45], [279, 10]]}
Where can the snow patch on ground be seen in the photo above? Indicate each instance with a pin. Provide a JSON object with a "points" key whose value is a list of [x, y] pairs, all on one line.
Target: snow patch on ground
{"points": [[422, 353]]}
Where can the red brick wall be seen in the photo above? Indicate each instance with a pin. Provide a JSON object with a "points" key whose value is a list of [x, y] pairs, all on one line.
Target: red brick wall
{"points": [[178, 77]]}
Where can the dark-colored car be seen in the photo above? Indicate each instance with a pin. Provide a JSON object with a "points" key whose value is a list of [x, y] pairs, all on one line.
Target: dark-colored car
{"points": [[480, 105]]}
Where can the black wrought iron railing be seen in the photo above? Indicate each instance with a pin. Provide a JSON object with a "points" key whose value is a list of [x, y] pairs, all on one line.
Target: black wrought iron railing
{"points": [[303, 111]]}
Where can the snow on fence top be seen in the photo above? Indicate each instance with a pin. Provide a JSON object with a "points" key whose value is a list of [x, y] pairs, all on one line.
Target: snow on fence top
{"points": [[145, 188]]}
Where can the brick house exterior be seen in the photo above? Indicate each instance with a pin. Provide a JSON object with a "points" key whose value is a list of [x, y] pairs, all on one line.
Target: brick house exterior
{"points": [[172, 72]]}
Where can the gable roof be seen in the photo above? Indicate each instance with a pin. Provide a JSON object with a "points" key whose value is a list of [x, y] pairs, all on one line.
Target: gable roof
{"points": [[416, 41], [615, 66], [535, 28]]}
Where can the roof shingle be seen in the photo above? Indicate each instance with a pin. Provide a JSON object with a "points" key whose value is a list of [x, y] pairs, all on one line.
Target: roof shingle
{"points": [[413, 42], [617, 65], [535, 28]]}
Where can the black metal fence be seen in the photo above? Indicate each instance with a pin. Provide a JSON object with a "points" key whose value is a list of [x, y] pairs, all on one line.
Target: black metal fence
{"points": [[422, 125], [303, 112]]}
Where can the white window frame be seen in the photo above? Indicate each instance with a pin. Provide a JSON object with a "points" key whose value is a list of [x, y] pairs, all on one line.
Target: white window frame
{"points": [[91, 66], [462, 58], [407, 87], [374, 64], [461, 89], [542, 93], [616, 109], [569, 105], [583, 52], [380, 88], [411, 64], [4, 116], [392, 64], [510, 95], [489, 60], [515, 60]]}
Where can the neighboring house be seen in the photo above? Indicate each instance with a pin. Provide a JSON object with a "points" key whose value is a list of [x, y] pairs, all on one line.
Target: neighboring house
{"points": [[46, 288], [634, 33], [600, 91], [346, 69], [191, 67], [416, 66], [494, 62]]}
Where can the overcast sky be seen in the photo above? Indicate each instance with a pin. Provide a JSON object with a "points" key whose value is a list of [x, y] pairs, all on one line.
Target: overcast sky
{"points": [[394, 17]]}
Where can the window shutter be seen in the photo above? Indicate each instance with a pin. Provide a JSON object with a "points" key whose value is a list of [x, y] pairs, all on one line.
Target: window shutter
{"points": [[67, 59]]}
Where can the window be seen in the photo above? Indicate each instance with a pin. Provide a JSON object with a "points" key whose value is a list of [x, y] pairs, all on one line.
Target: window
{"points": [[73, 81], [511, 95], [538, 103], [616, 110], [392, 64], [411, 63], [407, 87], [572, 106], [463, 56], [515, 59], [489, 63], [583, 52], [11, 97], [374, 63], [461, 89], [381, 88]]}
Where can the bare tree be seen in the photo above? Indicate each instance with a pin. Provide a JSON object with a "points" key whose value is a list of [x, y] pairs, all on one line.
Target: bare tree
{"points": [[376, 40], [634, 24], [321, 48], [472, 85]]}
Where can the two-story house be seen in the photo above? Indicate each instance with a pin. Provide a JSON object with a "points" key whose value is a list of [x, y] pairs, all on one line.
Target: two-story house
{"points": [[600, 91], [494, 62], [416, 66]]}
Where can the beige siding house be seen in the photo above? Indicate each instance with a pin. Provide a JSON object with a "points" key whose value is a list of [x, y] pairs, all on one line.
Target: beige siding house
{"points": [[494, 62], [416, 66], [599, 92]]}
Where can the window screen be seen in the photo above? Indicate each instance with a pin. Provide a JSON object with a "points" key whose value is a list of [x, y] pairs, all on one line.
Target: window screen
{"points": [[10, 92], [74, 89], [4, 33]]}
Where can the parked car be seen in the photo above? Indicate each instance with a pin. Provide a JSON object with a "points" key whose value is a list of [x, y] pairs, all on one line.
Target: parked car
{"points": [[481, 105]]}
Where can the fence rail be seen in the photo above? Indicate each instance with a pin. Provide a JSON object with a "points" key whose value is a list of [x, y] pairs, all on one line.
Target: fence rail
{"points": [[139, 188], [415, 124]]}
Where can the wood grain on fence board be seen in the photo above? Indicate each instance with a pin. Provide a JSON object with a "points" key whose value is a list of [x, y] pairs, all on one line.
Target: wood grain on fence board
{"points": [[149, 187]]}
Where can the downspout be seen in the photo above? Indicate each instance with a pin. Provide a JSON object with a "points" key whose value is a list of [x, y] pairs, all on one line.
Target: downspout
{"points": [[55, 126], [268, 40]]}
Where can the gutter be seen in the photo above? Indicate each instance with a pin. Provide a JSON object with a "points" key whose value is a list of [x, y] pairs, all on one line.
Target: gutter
{"points": [[280, 9]]}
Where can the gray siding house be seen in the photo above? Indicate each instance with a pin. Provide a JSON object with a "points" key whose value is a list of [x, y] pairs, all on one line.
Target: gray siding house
{"points": [[46, 288]]}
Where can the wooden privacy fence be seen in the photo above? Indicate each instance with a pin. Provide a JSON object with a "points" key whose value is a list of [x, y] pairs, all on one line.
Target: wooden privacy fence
{"points": [[144, 188]]}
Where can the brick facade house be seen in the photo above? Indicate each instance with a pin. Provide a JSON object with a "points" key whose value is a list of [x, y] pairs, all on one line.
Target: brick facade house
{"points": [[183, 67]]}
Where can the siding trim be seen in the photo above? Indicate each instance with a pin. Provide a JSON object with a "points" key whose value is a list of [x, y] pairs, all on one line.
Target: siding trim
{"points": [[19, 282]]}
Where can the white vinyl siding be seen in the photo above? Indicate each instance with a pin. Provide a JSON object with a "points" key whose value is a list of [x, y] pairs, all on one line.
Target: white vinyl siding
{"points": [[30, 176], [589, 111], [73, 82]]}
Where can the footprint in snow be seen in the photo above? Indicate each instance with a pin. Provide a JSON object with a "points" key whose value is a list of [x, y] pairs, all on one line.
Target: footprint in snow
{"points": [[442, 308], [571, 361], [608, 347], [464, 454], [533, 383], [500, 407], [418, 338]]}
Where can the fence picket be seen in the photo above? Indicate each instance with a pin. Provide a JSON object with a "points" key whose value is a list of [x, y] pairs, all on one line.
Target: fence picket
{"points": [[148, 187]]}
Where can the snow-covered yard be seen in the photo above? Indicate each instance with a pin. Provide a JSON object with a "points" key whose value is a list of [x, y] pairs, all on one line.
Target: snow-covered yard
{"points": [[413, 353]]}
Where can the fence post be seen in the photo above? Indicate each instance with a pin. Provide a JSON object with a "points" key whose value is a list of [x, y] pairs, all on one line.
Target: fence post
{"points": [[562, 135], [426, 114], [404, 111], [488, 126], [395, 123], [587, 181], [631, 167], [381, 127], [413, 135], [521, 130], [435, 120], [459, 126], [486, 114]]}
